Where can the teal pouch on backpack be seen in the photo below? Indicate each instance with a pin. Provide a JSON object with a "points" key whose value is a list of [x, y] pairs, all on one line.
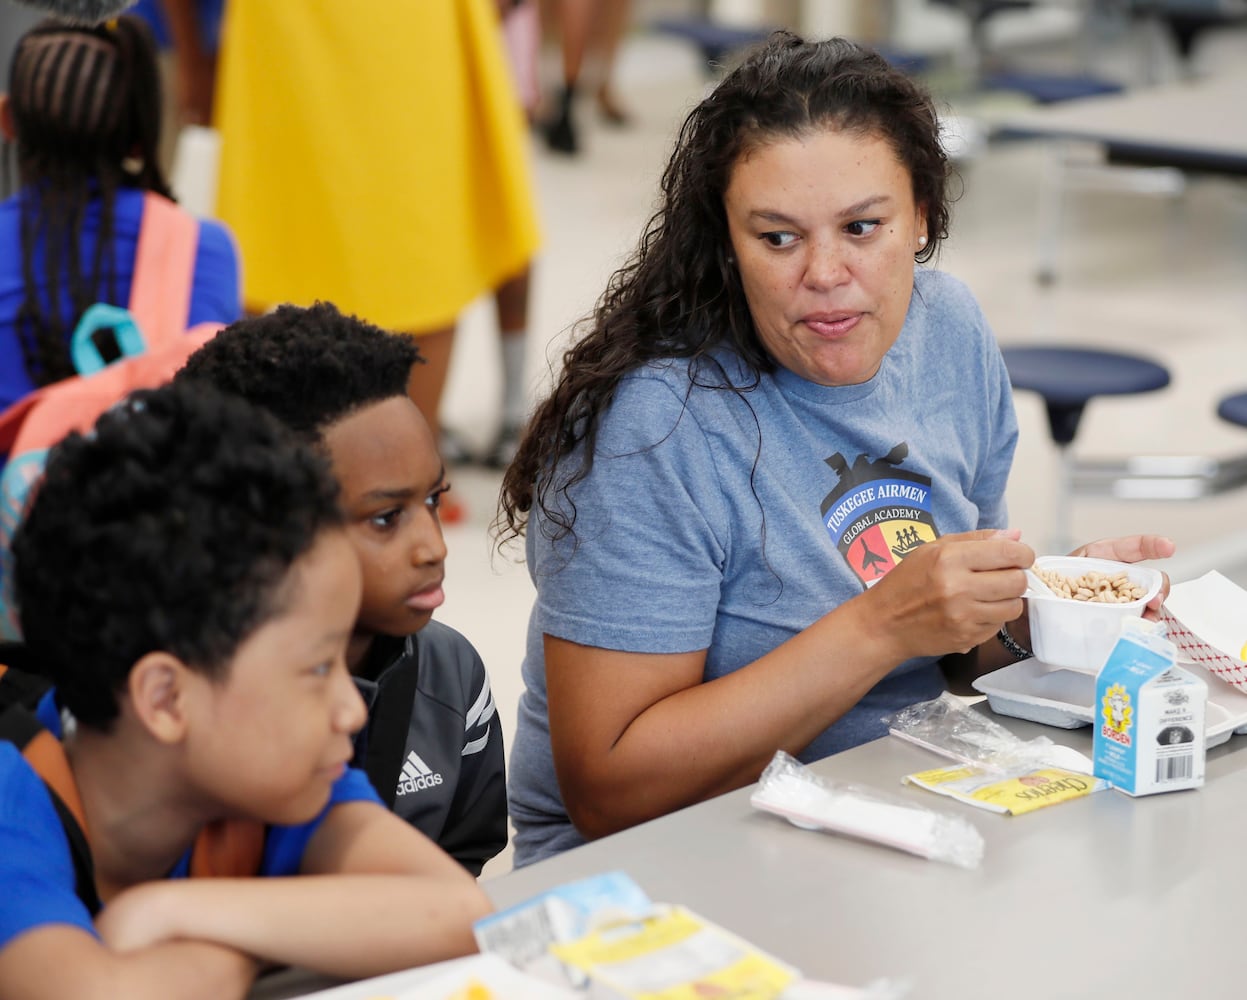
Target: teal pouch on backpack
{"points": [[153, 341]]}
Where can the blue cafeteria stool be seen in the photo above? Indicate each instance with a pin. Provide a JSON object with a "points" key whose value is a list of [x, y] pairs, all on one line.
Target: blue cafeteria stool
{"points": [[1068, 378]]}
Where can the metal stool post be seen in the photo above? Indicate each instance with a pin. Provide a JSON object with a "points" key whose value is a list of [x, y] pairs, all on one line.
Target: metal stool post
{"points": [[1061, 538], [1068, 378]]}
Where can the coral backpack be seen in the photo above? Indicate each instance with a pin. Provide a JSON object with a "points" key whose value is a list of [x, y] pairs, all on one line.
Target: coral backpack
{"points": [[154, 342]]}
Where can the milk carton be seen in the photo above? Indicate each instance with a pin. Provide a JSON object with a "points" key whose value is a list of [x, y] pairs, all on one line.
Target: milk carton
{"points": [[1149, 716]]}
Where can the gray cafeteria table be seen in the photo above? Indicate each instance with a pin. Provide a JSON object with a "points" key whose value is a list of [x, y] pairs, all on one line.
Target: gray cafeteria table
{"points": [[1102, 896], [1197, 124], [1192, 126]]}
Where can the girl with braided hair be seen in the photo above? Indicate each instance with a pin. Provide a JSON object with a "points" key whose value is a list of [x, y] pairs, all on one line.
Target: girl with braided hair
{"points": [[83, 108]]}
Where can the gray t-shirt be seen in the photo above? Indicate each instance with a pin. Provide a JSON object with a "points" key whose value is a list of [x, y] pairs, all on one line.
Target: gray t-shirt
{"points": [[729, 519]]}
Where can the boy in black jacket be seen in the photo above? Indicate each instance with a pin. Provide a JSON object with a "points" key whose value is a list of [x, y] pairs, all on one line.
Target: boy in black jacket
{"points": [[433, 745]]}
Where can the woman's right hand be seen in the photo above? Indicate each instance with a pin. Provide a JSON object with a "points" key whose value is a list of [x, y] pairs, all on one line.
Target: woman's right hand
{"points": [[950, 595]]}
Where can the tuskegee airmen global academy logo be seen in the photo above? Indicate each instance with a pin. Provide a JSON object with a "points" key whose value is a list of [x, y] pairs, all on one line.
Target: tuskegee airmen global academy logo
{"points": [[878, 513]]}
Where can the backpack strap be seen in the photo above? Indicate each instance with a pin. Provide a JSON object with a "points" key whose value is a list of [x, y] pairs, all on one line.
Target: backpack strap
{"points": [[17, 686], [228, 848], [160, 292], [46, 756], [387, 729], [223, 849], [12, 417], [164, 269]]}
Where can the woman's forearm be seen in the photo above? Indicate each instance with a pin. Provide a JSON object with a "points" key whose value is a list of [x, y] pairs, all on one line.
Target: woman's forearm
{"points": [[637, 736], [708, 738]]}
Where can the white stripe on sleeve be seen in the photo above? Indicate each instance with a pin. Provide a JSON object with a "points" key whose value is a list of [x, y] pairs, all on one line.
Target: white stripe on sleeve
{"points": [[475, 746], [482, 709]]}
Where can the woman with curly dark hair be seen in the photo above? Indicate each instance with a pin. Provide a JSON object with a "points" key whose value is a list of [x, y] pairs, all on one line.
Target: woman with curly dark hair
{"points": [[765, 498], [83, 108]]}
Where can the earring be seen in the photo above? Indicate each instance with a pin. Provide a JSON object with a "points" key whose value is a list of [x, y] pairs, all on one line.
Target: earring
{"points": [[922, 241]]}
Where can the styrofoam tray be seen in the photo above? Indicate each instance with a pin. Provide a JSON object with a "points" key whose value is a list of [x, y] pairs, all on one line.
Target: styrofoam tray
{"points": [[1032, 690]]}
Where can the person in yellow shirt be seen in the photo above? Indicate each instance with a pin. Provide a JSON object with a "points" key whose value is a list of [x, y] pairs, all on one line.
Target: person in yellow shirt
{"points": [[373, 155]]}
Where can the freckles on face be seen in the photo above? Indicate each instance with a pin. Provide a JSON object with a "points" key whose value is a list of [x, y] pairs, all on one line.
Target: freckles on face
{"points": [[824, 229]]}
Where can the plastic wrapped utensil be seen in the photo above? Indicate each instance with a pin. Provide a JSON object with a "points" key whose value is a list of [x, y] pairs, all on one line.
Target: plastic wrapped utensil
{"points": [[789, 789], [949, 727]]}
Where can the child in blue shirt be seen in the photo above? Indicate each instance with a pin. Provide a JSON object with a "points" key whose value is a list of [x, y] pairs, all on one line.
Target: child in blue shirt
{"points": [[185, 582]]}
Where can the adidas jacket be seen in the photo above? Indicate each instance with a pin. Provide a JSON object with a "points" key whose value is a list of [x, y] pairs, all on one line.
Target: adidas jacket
{"points": [[433, 746]]}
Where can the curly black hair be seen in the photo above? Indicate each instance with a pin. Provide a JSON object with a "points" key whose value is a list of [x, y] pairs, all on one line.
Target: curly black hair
{"points": [[310, 366], [86, 110], [679, 295], [171, 526]]}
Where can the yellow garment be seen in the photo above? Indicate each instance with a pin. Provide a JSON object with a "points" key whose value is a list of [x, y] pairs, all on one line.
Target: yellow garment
{"points": [[373, 155]]}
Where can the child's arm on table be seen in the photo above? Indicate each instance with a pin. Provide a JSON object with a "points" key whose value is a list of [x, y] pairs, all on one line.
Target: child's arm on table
{"points": [[375, 896], [59, 960]]}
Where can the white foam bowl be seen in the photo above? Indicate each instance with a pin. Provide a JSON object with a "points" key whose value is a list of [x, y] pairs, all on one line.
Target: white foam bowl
{"points": [[1079, 635]]}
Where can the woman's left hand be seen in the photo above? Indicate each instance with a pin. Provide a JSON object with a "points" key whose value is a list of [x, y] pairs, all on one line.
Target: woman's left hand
{"points": [[1130, 549]]}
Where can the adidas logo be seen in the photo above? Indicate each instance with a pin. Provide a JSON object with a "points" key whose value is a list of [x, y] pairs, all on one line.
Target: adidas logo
{"points": [[416, 776]]}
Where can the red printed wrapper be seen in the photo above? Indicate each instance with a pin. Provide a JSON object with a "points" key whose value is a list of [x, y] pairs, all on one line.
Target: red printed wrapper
{"points": [[1207, 621]]}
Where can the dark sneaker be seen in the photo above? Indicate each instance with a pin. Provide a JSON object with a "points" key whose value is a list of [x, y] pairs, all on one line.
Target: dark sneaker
{"points": [[453, 448], [503, 450], [561, 135]]}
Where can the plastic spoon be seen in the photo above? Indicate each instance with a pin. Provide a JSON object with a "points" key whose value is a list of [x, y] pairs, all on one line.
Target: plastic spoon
{"points": [[1037, 588]]}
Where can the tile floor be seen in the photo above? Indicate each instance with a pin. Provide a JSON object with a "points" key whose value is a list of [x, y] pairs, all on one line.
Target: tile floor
{"points": [[1154, 274]]}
